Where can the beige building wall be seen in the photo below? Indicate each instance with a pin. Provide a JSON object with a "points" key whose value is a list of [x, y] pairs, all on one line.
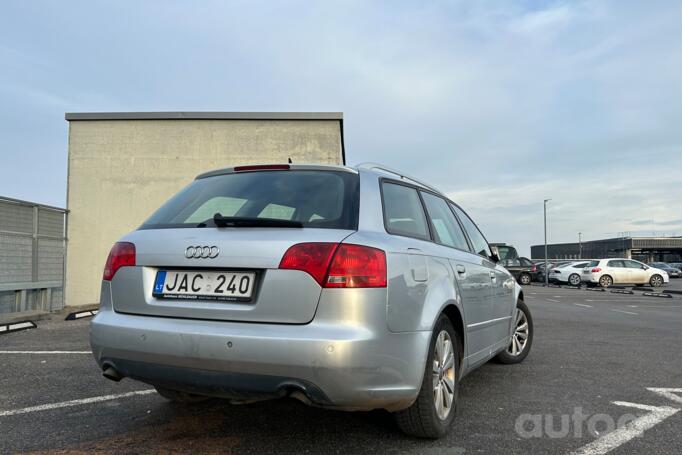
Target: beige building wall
{"points": [[122, 167]]}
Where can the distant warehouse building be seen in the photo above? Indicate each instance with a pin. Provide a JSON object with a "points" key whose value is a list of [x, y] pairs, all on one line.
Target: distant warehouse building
{"points": [[645, 249], [123, 166]]}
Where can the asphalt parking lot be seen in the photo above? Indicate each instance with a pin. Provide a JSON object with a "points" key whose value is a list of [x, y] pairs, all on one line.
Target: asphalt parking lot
{"points": [[595, 355]]}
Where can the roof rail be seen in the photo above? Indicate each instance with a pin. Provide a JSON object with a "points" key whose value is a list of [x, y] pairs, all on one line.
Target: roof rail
{"points": [[402, 175]]}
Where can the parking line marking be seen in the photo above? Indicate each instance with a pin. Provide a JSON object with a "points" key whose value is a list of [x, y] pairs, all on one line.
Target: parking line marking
{"points": [[625, 312], [45, 352], [668, 393], [582, 304], [631, 430], [67, 404], [555, 301]]}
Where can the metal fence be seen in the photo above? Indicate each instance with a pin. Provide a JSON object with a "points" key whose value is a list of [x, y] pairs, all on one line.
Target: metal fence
{"points": [[32, 254]]}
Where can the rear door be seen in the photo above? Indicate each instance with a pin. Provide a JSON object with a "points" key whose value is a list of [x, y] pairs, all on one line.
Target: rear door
{"points": [[192, 263], [502, 304], [618, 271]]}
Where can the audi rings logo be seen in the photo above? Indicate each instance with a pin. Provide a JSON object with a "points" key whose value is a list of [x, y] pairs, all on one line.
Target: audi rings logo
{"points": [[202, 252]]}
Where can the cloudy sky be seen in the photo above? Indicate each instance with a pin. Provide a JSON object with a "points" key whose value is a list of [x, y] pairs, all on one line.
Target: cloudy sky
{"points": [[501, 104]]}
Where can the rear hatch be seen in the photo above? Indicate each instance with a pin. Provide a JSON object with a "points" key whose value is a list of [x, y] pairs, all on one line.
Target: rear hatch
{"points": [[213, 251]]}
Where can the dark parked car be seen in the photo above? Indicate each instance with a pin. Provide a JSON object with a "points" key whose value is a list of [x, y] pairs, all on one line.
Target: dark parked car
{"points": [[523, 269], [673, 272]]}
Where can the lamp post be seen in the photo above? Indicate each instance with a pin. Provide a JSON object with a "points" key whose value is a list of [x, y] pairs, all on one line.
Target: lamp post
{"points": [[546, 271], [580, 245]]}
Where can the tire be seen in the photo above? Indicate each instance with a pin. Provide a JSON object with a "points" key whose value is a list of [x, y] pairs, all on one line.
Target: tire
{"points": [[422, 419], [525, 279], [574, 279], [605, 281], [512, 354], [179, 397], [656, 281]]}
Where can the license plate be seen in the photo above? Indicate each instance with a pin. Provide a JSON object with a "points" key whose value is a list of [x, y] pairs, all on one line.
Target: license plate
{"points": [[204, 285]]}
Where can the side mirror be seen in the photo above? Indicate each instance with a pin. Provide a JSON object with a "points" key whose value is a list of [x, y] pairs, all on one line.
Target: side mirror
{"points": [[494, 254], [644, 267]]}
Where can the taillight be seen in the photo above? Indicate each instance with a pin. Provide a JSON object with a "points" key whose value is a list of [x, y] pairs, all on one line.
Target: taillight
{"points": [[313, 258], [356, 266], [596, 270], [122, 254], [335, 265]]}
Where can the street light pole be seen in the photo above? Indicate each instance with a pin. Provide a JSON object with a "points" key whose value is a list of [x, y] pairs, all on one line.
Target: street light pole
{"points": [[580, 245], [546, 271]]}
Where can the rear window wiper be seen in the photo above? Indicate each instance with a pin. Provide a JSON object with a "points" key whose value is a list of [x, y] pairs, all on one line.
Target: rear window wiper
{"points": [[240, 221]]}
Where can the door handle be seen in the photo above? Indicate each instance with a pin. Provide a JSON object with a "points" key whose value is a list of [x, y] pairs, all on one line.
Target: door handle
{"points": [[493, 276], [461, 270]]}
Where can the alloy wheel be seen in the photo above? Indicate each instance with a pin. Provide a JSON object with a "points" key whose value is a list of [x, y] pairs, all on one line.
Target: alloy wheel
{"points": [[443, 375], [574, 279], [656, 281], [520, 336]]}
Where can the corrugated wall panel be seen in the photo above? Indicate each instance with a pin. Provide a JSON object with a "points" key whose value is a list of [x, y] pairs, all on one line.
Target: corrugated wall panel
{"points": [[15, 258], [50, 222], [50, 260], [8, 302], [16, 218]]}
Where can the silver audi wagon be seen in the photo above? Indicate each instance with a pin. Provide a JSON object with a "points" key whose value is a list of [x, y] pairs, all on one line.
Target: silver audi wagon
{"points": [[346, 288]]}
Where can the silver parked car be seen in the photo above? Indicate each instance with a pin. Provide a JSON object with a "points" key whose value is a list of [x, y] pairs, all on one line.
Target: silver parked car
{"points": [[346, 288]]}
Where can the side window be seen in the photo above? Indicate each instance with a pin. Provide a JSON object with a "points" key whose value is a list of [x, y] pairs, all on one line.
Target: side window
{"points": [[633, 264], [403, 212], [446, 228], [618, 264], [526, 262], [479, 242]]}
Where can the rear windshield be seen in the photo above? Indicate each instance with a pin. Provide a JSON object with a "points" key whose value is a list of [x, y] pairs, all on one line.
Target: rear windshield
{"points": [[592, 264], [317, 199]]}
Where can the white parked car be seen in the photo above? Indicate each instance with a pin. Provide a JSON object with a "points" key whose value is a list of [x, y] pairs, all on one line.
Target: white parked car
{"points": [[568, 273], [606, 272]]}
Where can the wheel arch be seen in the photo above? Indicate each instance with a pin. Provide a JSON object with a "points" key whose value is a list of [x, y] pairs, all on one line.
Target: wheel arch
{"points": [[455, 316]]}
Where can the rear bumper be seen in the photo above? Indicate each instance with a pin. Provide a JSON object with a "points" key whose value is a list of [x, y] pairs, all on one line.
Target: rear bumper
{"points": [[590, 278], [350, 367]]}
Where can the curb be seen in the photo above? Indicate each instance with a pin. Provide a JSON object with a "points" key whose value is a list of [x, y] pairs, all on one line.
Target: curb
{"points": [[17, 326], [621, 291], [657, 294], [80, 315], [672, 292]]}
